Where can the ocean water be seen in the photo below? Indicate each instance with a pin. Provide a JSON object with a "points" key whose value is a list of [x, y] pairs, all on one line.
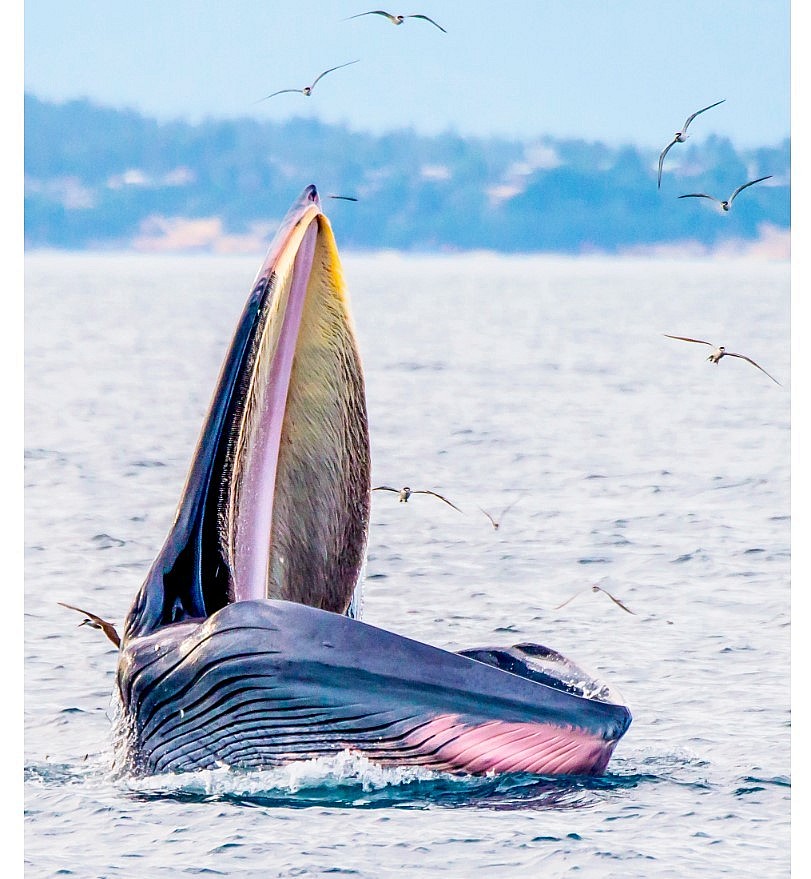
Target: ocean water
{"points": [[630, 462]]}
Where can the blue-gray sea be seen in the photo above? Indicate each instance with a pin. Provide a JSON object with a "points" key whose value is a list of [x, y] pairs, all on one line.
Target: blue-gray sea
{"points": [[631, 462]]}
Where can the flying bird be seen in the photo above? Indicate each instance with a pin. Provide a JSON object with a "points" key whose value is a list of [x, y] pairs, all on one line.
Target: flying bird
{"points": [[727, 203], [497, 523], [405, 494], [308, 89], [397, 19], [344, 197], [681, 136], [720, 351], [96, 623], [598, 589]]}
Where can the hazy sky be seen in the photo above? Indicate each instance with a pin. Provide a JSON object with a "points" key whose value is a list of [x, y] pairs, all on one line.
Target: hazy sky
{"points": [[615, 70]]}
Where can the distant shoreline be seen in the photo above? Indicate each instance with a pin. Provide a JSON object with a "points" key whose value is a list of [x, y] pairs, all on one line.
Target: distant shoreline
{"points": [[773, 245], [97, 178]]}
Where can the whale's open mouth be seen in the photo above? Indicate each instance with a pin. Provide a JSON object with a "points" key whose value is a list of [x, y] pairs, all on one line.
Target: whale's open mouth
{"points": [[276, 502], [238, 649]]}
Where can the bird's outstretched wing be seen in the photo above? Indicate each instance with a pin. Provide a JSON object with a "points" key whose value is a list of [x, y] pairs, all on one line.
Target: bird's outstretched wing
{"points": [[700, 195], [689, 119], [662, 159], [615, 600], [322, 75], [375, 12], [428, 491], [282, 92], [97, 623], [749, 359], [568, 600], [510, 506], [492, 520], [425, 18], [686, 339], [750, 183], [597, 589], [343, 197], [386, 488]]}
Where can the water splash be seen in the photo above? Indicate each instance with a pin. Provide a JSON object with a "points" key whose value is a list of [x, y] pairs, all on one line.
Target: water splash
{"points": [[350, 780], [343, 778]]}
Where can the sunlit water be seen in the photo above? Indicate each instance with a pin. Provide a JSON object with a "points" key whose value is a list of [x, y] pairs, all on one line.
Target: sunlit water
{"points": [[632, 463]]}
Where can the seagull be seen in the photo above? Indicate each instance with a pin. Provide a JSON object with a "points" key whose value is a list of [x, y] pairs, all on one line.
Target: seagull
{"points": [[719, 351], [308, 89], [405, 494], [96, 623], [497, 524], [598, 589], [397, 19], [727, 204], [681, 136]]}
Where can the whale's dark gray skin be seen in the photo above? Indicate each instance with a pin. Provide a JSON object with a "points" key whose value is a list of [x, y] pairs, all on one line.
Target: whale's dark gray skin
{"points": [[263, 682], [242, 647]]}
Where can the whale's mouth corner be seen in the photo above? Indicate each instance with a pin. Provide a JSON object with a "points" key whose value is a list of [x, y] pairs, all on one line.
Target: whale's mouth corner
{"points": [[276, 501]]}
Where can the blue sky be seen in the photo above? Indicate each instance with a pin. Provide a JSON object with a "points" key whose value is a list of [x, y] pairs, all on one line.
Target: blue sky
{"points": [[616, 70]]}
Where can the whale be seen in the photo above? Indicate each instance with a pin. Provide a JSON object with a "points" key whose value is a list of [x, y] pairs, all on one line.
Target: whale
{"points": [[244, 647]]}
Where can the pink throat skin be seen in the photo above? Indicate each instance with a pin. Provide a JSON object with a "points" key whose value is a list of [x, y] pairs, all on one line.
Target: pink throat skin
{"points": [[255, 514], [446, 742]]}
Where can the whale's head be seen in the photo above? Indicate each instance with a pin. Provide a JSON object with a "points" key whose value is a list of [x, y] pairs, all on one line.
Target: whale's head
{"points": [[276, 502], [238, 650]]}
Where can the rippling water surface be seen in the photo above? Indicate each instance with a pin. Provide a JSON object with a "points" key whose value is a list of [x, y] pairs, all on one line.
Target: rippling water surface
{"points": [[632, 464]]}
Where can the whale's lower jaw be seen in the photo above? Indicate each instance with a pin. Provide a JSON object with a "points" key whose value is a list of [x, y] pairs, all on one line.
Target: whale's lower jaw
{"points": [[261, 683], [445, 743]]}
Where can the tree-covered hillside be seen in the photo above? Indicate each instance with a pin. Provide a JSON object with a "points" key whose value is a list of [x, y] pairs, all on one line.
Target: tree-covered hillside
{"points": [[99, 177]]}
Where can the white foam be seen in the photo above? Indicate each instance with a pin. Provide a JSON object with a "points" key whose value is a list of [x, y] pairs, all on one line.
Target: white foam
{"points": [[345, 769]]}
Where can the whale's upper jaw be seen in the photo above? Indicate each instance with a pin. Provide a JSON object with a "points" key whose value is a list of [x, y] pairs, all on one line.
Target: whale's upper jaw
{"points": [[276, 502]]}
